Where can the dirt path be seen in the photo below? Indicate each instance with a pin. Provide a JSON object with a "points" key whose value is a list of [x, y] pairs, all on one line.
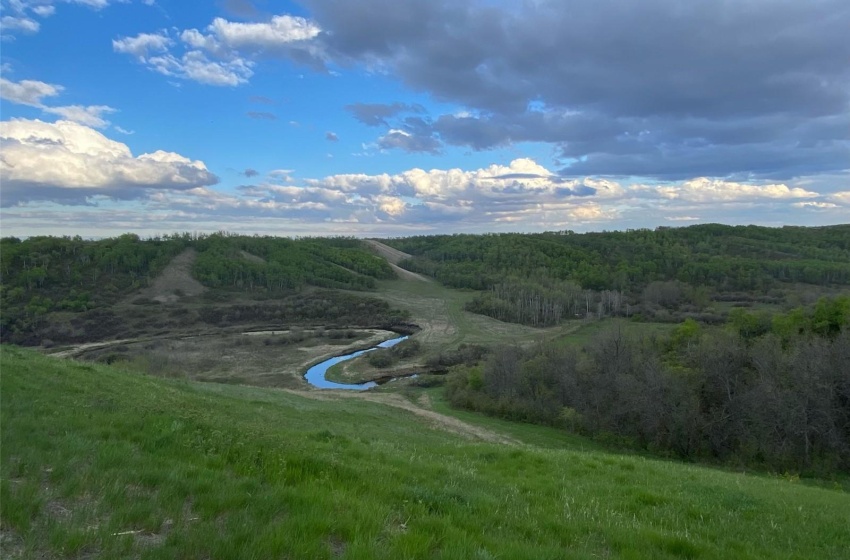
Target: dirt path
{"points": [[175, 281], [432, 418], [77, 349], [394, 256]]}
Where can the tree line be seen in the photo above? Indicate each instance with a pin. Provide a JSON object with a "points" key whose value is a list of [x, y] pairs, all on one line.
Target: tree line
{"points": [[278, 264], [725, 258], [542, 279], [766, 391], [44, 275]]}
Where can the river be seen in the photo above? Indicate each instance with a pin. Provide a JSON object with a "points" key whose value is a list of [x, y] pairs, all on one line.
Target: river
{"points": [[315, 376]]}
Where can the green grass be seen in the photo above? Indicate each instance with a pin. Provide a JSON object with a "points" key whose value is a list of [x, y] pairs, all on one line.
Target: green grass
{"points": [[530, 434], [100, 463]]}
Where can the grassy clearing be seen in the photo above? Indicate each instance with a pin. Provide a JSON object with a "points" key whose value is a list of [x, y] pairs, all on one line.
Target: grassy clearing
{"points": [[263, 359], [438, 310], [97, 462]]}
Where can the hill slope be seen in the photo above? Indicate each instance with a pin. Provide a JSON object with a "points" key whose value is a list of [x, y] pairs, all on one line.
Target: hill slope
{"points": [[97, 462]]}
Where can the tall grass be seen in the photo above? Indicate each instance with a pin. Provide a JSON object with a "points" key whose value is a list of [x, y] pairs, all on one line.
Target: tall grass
{"points": [[97, 462]]}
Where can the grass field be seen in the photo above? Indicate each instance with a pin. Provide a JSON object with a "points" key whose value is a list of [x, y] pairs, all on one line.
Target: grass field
{"points": [[263, 359], [102, 463]]}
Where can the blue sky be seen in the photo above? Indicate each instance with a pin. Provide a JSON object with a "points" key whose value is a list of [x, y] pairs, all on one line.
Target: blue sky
{"points": [[400, 117]]}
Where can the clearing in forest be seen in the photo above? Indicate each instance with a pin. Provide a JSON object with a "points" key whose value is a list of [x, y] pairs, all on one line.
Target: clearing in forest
{"points": [[393, 257], [175, 281]]}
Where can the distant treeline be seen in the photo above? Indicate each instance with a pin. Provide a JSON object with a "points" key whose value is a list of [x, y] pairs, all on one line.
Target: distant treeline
{"points": [[768, 391], [540, 279], [42, 275], [277, 264]]}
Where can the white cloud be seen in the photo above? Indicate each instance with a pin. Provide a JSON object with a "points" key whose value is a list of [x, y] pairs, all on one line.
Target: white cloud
{"points": [[44, 11], [815, 204], [124, 130], [91, 115], [842, 197], [28, 92], [520, 196], [391, 205], [142, 44], [25, 24], [197, 67], [32, 92], [23, 10], [222, 54], [682, 218], [69, 162], [705, 190], [280, 32], [194, 65]]}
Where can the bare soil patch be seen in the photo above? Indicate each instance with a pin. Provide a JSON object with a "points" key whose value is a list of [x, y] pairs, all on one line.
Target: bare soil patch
{"points": [[175, 281], [394, 256]]}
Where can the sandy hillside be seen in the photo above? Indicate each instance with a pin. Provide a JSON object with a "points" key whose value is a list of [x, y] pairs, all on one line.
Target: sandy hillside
{"points": [[394, 256], [175, 281]]}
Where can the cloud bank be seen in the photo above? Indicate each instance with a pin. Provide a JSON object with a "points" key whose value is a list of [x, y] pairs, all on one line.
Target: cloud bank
{"points": [[655, 89], [69, 163]]}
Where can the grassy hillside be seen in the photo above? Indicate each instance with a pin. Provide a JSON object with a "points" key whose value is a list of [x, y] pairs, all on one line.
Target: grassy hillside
{"points": [[101, 463]]}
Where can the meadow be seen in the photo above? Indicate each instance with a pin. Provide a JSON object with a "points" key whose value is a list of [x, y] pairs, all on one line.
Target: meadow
{"points": [[99, 462]]}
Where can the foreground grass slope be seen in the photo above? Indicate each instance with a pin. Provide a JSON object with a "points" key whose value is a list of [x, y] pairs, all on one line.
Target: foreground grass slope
{"points": [[98, 462]]}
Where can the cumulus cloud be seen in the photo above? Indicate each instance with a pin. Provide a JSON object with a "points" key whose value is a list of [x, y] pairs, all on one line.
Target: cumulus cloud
{"points": [[815, 205], [91, 115], [143, 44], [32, 92], [222, 54], [44, 10], [519, 196], [28, 92], [153, 50], [331, 136], [69, 163], [277, 35], [24, 10], [842, 198], [24, 24], [194, 65], [705, 190]]}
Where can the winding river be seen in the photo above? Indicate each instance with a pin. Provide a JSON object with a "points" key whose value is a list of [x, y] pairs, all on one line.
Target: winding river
{"points": [[315, 376]]}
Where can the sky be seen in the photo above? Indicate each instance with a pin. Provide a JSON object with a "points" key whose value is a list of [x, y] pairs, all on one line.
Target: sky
{"points": [[411, 117]]}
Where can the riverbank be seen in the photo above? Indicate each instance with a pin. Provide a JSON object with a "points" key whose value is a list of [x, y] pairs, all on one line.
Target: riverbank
{"points": [[316, 375]]}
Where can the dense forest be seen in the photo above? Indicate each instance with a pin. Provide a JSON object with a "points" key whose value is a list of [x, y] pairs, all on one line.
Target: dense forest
{"points": [[280, 264], [542, 279], [70, 275], [755, 371], [768, 391]]}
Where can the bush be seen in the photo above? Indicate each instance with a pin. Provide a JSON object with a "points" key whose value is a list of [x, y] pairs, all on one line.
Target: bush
{"points": [[381, 358]]}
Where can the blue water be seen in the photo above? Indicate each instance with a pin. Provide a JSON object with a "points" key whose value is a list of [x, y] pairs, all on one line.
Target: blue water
{"points": [[315, 376]]}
